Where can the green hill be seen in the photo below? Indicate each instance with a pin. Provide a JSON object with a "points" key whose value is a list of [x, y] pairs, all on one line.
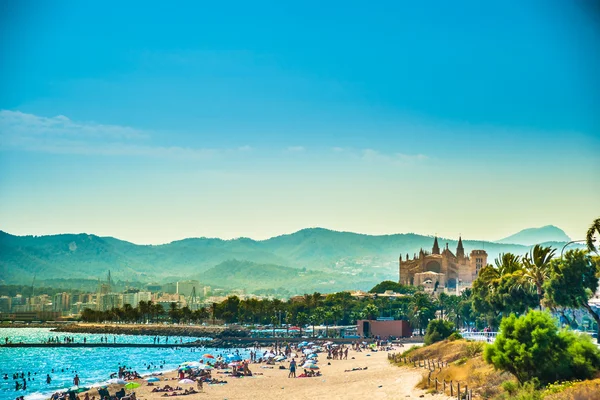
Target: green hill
{"points": [[339, 257], [253, 276]]}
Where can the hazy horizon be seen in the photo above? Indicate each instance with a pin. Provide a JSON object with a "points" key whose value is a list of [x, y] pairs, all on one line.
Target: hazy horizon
{"points": [[153, 125], [282, 234]]}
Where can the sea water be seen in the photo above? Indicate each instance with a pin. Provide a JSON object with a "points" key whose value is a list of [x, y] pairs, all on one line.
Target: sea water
{"points": [[93, 365]]}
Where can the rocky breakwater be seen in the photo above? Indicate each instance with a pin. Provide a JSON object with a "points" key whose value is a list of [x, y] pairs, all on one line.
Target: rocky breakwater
{"points": [[210, 331]]}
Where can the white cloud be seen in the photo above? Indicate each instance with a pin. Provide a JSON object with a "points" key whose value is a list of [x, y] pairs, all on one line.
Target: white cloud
{"points": [[16, 122], [61, 135], [337, 149]]}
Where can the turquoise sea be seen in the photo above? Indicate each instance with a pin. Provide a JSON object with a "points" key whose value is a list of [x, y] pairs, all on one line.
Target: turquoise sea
{"points": [[93, 365]]}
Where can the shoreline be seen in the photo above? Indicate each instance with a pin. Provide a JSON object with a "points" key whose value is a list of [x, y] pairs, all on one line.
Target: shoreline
{"points": [[364, 374]]}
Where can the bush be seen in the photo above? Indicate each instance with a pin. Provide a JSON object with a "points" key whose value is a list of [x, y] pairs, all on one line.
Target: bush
{"points": [[455, 336], [474, 349], [510, 387], [533, 349], [438, 330]]}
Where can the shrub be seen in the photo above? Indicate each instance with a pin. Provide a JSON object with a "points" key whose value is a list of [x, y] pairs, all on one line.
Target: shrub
{"points": [[474, 348], [454, 336], [438, 330], [461, 361], [533, 349], [510, 387]]}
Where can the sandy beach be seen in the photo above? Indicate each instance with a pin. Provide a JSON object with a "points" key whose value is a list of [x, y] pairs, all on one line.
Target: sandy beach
{"points": [[381, 380]]}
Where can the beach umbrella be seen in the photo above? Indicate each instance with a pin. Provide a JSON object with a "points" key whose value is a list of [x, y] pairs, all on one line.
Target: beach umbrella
{"points": [[79, 389], [234, 364], [279, 358], [310, 361], [268, 355], [132, 385], [184, 368], [116, 381], [311, 366], [152, 379], [313, 355], [194, 364], [308, 351], [206, 367], [208, 356], [186, 381]]}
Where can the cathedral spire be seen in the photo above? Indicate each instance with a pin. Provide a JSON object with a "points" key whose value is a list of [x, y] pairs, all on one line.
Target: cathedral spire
{"points": [[436, 247], [460, 250]]}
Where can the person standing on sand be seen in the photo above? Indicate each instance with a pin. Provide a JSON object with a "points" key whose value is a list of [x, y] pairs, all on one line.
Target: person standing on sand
{"points": [[76, 380], [292, 373]]}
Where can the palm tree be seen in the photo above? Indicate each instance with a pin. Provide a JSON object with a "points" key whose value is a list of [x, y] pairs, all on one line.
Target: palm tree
{"points": [[592, 231], [421, 308], [508, 263], [317, 316], [301, 320], [537, 268], [370, 311], [442, 303], [328, 317], [338, 313]]}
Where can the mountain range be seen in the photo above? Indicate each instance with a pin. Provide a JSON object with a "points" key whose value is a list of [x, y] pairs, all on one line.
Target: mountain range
{"points": [[313, 258], [531, 236]]}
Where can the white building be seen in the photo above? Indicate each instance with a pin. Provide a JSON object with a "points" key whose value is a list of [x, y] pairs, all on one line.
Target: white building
{"points": [[185, 288]]}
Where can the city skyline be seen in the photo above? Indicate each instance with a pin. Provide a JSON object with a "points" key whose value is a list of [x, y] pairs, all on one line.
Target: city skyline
{"points": [[153, 125]]}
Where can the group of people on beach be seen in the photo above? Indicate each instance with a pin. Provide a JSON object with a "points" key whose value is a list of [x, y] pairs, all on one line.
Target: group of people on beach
{"points": [[299, 356], [65, 339]]}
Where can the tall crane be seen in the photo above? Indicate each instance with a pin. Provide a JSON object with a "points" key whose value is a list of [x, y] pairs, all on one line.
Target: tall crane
{"points": [[32, 291]]}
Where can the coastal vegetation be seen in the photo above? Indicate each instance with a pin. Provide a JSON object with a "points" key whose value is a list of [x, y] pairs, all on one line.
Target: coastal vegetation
{"points": [[533, 349], [532, 357]]}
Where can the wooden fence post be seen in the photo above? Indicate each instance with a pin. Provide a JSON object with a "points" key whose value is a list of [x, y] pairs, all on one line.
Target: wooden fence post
{"points": [[458, 390], [451, 389]]}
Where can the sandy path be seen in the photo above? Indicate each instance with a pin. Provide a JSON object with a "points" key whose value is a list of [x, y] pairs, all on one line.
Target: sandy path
{"points": [[380, 381]]}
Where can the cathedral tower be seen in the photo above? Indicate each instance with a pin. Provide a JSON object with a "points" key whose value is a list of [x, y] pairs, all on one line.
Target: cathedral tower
{"points": [[460, 250], [436, 247]]}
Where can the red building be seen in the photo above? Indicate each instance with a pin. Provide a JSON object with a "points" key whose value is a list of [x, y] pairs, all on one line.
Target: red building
{"points": [[368, 328]]}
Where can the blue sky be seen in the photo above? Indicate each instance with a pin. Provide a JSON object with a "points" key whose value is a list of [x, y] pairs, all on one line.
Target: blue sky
{"points": [[154, 122]]}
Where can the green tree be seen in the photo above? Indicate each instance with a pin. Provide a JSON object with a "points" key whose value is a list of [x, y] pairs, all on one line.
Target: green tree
{"points": [[532, 348], [371, 311], [302, 319], [573, 281], [421, 310], [393, 286], [537, 268], [591, 232], [174, 312], [438, 330]]}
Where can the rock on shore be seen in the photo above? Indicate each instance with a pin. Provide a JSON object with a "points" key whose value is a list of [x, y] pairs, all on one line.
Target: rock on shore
{"points": [[211, 331]]}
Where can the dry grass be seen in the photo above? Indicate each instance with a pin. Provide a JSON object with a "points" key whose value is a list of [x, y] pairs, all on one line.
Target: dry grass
{"points": [[465, 366], [586, 390]]}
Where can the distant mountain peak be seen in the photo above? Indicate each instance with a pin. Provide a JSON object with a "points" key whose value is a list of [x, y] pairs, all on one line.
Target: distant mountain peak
{"points": [[531, 236]]}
